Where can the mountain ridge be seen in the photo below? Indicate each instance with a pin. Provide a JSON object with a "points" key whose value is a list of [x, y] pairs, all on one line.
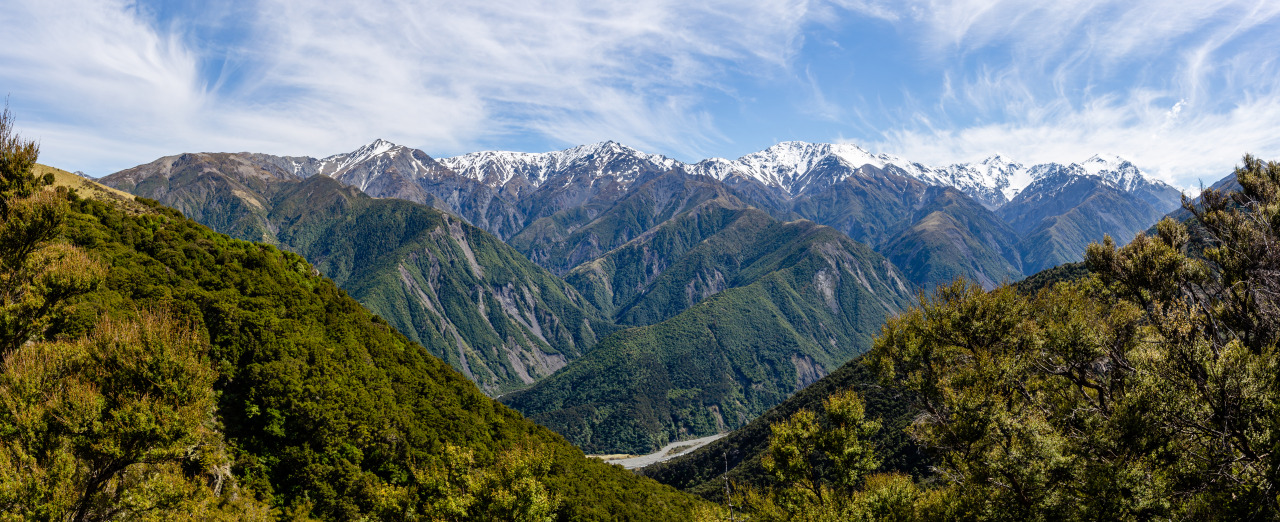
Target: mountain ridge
{"points": [[535, 201], [471, 299]]}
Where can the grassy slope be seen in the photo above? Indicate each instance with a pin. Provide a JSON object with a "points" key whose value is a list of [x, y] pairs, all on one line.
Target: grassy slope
{"points": [[85, 186], [302, 420]]}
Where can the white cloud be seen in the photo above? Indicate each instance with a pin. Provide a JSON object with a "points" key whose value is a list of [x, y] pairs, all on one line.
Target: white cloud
{"points": [[320, 77], [103, 55], [1182, 89], [1190, 148]]}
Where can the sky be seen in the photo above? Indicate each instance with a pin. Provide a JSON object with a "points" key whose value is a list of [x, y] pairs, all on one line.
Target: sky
{"points": [[1181, 89]]}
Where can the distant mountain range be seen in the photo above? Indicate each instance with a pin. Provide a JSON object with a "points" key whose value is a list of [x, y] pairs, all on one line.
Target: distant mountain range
{"points": [[628, 299], [537, 201]]}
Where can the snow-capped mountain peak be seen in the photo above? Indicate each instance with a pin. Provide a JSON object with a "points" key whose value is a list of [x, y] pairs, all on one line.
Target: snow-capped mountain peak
{"points": [[1110, 168], [795, 167], [992, 180], [787, 165], [606, 158], [341, 162], [366, 164], [1115, 170], [378, 146], [791, 165], [997, 159]]}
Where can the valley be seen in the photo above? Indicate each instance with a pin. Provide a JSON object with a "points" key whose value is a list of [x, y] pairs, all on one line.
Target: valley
{"points": [[628, 300], [575, 261]]}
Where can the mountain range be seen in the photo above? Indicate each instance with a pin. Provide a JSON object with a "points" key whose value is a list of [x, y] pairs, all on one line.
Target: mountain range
{"points": [[538, 200], [627, 299], [748, 311]]}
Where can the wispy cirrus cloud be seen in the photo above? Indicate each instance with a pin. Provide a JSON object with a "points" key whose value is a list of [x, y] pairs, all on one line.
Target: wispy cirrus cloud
{"points": [[100, 82], [1181, 89]]}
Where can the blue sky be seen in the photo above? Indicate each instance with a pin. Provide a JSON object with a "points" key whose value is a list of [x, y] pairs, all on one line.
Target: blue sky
{"points": [[1183, 89]]}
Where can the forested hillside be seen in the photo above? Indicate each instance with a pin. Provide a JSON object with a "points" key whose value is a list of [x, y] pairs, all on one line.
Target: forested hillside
{"points": [[737, 457], [1140, 389], [736, 303], [469, 298], [203, 376]]}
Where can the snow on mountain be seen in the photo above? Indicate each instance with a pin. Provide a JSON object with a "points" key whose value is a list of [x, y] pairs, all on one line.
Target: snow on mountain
{"points": [[1110, 168], [787, 165], [992, 181], [786, 162], [791, 166], [341, 162], [1115, 170], [379, 167], [609, 158], [995, 172]]}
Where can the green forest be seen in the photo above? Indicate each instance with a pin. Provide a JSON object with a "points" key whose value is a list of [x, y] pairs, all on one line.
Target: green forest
{"points": [[154, 369], [1138, 386]]}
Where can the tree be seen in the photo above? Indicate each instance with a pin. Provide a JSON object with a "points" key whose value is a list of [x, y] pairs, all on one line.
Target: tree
{"points": [[38, 275], [1144, 391], [119, 424], [510, 489], [822, 456], [820, 462]]}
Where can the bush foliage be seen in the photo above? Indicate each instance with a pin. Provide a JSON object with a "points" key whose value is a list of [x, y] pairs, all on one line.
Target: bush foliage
{"points": [[202, 376], [1138, 386]]}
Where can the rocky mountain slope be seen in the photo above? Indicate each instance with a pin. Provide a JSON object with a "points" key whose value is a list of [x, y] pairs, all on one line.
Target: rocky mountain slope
{"points": [[749, 311], [469, 298], [1067, 207]]}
